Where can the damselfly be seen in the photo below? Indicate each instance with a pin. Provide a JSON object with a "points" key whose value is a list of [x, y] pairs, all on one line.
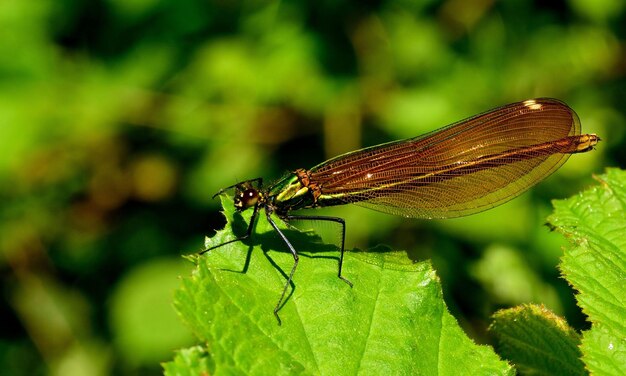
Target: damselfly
{"points": [[461, 169]]}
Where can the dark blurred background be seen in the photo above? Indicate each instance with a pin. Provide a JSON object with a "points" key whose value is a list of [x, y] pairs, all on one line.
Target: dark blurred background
{"points": [[120, 119]]}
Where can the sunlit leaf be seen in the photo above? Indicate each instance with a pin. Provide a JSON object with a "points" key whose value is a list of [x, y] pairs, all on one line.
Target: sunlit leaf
{"points": [[595, 264], [393, 320]]}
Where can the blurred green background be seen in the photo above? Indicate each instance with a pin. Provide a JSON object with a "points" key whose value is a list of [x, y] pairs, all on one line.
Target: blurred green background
{"points": [[119, 119]]}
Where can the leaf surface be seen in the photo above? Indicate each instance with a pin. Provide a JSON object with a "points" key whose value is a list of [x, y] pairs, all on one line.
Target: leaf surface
{"points": [[393, 321], [595, 264], [537, 341]]}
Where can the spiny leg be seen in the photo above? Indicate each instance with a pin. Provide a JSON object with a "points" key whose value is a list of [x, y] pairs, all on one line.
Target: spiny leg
{"points": [[243, 237], [268, 213], [341, 222]]}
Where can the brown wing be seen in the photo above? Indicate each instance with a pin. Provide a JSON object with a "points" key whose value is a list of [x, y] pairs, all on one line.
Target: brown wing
{"points": [[464, 168]]}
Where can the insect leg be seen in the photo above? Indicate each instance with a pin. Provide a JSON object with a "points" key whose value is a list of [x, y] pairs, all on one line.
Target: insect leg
{"points": [[268, 213], [341, 222], [253, 218]]}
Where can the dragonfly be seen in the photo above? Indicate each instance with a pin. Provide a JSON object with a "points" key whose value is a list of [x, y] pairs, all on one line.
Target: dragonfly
{"points": [[461, 169]]}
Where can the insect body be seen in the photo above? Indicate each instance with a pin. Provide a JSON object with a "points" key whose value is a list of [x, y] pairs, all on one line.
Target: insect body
{"points": [[461, 169]]}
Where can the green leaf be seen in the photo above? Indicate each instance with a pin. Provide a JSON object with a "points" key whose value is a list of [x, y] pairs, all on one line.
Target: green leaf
{"points": [[193, 361], [595, 265], [393, 321], [537, 341]]}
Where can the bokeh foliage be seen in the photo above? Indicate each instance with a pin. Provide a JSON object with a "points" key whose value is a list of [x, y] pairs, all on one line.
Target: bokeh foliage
{"points": [[119, 119]]}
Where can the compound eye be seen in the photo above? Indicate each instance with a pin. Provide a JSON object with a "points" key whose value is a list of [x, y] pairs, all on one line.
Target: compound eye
{"points": [[248, 198]]}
